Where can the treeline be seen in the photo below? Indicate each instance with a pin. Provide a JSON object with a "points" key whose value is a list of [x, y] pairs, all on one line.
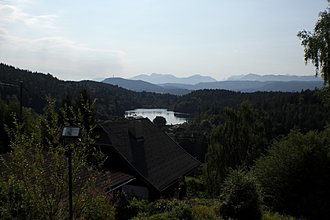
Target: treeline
{"points": [[303, 110], [111, 100], [280, 111], [279, 114], [206, 104]]}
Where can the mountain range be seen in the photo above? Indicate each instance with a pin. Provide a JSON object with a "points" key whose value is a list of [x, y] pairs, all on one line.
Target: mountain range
{"points": [[272, 77], [167, 83], [140, 86], [157, 78]]}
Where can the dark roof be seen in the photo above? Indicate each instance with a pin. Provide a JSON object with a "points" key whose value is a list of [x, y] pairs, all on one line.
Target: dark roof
{"points": [[149, 151], [118, 179]]}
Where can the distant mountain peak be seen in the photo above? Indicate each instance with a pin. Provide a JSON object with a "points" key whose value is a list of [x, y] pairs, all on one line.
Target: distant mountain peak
{"points": [[159, 78], [273, 77]]}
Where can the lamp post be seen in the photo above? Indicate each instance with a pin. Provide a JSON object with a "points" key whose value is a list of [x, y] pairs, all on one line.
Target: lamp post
{"points": [[70, 134]]}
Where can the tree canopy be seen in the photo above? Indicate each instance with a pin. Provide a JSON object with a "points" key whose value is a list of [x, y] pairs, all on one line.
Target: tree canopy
{"points": [[317, 45]]}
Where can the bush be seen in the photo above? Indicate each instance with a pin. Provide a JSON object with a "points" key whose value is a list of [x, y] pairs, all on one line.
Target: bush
{"points": [[13, 202], [295, 175], [136, 206], [159, 121], [127, 207], [195, 187], [158, 216], [93, 207], [240, 198], [276, 216], [202, 212], [182, 211], [174, 207]]}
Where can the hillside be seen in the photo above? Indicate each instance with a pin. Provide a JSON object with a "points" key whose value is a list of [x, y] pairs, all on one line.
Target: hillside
{"points": [[114, 100], [157, 78], [266, 86], [140, 86], [244, 83], [111, 100], [272, 77]]}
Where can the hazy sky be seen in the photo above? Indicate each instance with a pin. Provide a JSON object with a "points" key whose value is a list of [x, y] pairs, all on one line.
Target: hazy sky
{"points": [[88, 39]]}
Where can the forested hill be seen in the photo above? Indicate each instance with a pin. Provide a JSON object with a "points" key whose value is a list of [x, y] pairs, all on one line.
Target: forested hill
{"points": [[114, 100], [111, 100], [284, 110]]}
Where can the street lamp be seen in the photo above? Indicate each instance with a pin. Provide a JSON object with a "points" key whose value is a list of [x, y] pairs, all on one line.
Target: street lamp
{"points": [[70, 134]]}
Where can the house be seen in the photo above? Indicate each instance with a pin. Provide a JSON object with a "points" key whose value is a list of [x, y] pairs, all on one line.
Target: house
{"points": [[139, 148]]}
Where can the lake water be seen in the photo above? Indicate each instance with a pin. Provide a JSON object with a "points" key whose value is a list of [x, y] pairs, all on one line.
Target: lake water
{"points": [[172, 118]]}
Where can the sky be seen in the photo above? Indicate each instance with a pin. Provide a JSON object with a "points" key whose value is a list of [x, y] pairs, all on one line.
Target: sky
{"points": [[77, 40]]}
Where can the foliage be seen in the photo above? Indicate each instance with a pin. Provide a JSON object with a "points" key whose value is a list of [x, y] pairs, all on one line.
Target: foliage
{"points": [[89, 207], [159, 121], [127, 207], [8, 112], [235, 143], [158, 216], [137, 205], [180, 209], [111, 100], [202, 212], [283, 110], [36, 172], [193, 137], [325, 96], [121, 204], [195, 187], [240, 197], [279, 112], [14, 203], [295, 175], [167, 209], [317, 45], [276, 216]]}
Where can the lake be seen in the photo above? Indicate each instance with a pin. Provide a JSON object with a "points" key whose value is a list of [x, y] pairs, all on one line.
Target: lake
{"points": [[172, 118]]}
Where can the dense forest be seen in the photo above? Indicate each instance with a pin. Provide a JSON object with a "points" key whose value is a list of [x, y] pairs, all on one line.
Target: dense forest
{"points": [[265, 155], [111, 100]]}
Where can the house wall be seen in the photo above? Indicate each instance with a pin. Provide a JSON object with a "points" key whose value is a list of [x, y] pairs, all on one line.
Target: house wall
{"points": [[138, 191]]}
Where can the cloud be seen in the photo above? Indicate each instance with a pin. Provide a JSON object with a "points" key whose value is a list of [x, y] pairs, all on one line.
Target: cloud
{"points": [[61, 57], [12, 14], [35, 42], [3, 31]]}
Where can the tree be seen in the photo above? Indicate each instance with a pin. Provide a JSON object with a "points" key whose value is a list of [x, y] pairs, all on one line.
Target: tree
{"points": [[317, 45], [240, 198], [8, 111], [33, 182], [235, 143], [159, 121], [295, 175]]}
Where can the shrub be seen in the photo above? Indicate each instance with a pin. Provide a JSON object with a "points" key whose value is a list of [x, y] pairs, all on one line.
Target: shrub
{"points": [[159, 121], [121, 204], [158, 216], [195, 187], [136, 206], [13, 202], [295, 175], [93, 207], [240, 198], [181, 211], [202, 212], [276, 216]]}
